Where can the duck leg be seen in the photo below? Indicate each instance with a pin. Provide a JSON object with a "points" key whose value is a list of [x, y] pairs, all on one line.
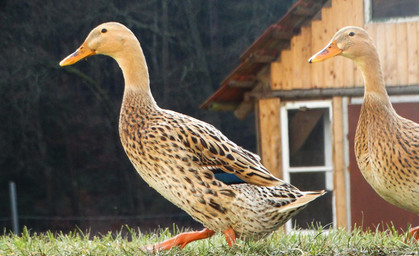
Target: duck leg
{"points": [[230, 236], [180, 240], [414, 232]]}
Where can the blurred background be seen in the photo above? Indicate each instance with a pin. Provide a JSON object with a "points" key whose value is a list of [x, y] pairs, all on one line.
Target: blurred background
{"points": [[59, 137]]}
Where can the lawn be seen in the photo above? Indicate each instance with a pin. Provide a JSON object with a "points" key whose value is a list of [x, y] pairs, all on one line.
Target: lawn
{"points": [[129, 242]]}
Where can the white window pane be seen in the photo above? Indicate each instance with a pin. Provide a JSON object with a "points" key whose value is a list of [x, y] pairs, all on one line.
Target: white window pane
{"points": [[320, 211], [384, 9], [306, 131]]}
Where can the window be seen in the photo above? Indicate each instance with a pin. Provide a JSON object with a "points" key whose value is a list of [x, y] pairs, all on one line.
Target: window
{"points": [[391, 10], [307, 158]]}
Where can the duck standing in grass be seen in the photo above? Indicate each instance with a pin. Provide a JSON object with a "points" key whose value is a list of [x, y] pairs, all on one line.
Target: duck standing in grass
{"points": [[386, 144], [186, 160]]}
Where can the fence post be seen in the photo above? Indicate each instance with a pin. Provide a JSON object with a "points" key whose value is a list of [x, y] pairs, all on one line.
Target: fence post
{"points": [[13, 206]]}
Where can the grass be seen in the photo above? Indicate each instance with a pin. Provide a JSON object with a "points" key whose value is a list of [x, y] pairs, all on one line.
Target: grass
{"points": [[129, 242]]}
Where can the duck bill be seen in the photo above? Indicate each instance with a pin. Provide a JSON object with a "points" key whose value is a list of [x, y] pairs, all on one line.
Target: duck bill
{"points": [[328, 52], [81, 53]]}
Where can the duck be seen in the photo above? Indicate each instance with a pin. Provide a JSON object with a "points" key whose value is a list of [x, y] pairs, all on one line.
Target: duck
{"points": [[189, 162], [386, 144]]}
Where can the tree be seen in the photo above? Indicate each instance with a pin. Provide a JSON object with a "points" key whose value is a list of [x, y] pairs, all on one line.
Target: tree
{"points": [[58, 129]]}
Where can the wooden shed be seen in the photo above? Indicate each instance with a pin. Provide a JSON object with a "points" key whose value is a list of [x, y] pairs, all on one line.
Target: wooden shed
{"points": [[306, 114]]}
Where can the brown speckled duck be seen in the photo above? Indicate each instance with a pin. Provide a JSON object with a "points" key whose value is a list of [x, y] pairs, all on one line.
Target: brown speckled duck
{"points": [[386, 144], [189, 162]]}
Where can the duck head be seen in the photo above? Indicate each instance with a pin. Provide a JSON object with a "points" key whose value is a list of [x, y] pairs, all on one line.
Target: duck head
{"points": [[109, 38], [350, 42]]}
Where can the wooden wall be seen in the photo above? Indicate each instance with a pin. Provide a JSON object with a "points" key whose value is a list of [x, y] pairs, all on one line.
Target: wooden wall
{"points": [[339, 165], [270, 135], [397, 44]]}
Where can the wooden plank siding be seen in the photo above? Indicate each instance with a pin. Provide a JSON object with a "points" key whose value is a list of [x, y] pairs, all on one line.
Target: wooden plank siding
{"points": [[305, 51], [348, 66], [401, 53], [390, 61], [338, 65], [288, 83], [277, 76], [270, 135], [397, 45], [297, 43], [330, 72], [412, 30], [339, 166], [317, 42]]}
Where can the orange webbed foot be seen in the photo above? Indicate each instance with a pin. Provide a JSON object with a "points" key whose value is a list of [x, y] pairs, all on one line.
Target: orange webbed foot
{"points": [[230, 236], [180, 240], [414, 232]]}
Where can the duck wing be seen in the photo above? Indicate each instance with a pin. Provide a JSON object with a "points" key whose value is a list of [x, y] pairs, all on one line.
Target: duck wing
{"points": [[214, 151]]}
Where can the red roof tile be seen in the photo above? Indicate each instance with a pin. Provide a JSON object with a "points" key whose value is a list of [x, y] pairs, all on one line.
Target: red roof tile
{"points": [[263, 51]]}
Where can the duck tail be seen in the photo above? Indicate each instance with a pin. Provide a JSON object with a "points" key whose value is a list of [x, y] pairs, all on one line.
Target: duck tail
{"points": [[309, 196], [306, 198]]}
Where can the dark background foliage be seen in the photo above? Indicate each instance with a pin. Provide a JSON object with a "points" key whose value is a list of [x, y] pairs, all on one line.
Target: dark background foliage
{"points": [[59, 126]]}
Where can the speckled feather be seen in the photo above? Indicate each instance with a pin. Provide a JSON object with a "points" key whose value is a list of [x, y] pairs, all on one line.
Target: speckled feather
{"points": [[387, 152], [386, 144], [175, 154]]}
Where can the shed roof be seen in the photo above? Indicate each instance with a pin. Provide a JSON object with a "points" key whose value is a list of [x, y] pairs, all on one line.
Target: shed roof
{"points": [[263, 51]]}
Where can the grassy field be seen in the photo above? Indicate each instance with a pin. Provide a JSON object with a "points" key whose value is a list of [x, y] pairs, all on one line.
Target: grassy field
{"points": [[320, 242]]}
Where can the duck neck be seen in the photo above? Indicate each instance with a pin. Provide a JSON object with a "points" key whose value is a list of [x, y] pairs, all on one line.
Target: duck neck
{"points": [[134, 68], [373, 77]]}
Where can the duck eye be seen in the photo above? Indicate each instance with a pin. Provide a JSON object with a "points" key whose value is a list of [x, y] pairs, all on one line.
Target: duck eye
{"points": [[104, 30], [351, 33]]}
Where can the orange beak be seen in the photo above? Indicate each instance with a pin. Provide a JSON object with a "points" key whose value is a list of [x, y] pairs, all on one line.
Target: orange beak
{"points": [[328, 52], [83, 52]]}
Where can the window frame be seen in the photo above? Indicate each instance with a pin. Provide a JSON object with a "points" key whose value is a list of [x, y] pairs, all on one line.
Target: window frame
{"points": [[368, 16], [328, 168]]}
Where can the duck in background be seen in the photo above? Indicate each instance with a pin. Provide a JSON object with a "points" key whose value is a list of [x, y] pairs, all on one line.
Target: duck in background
{"points": [[386, 144]]}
